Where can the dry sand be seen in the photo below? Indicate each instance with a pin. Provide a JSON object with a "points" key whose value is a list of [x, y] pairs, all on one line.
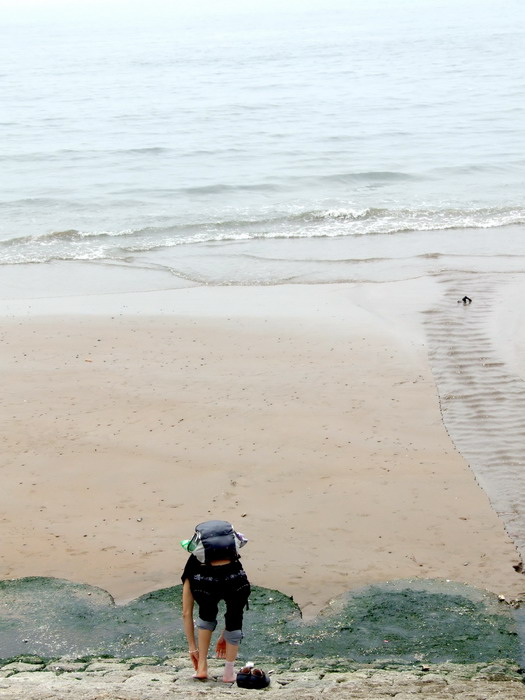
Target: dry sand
{"points": [[307, 415]]}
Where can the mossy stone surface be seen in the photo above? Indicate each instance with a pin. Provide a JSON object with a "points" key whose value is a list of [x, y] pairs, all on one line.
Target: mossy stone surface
{"points": [[403, 622]]}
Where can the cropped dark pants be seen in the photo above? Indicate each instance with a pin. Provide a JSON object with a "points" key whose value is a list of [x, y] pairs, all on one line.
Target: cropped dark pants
{"points": [[212, 584]]}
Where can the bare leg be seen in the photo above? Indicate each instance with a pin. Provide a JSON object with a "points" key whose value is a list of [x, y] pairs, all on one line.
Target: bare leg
{"points": [[231, 654], [231, 651], [204, 637]]}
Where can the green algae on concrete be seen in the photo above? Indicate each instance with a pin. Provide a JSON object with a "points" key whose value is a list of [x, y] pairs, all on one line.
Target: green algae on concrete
{"points": [[52, 617], [412, 622], [404, 622]]}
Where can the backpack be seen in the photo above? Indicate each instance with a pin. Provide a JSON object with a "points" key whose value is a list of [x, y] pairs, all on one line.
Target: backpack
{"points": [[214, 540]]}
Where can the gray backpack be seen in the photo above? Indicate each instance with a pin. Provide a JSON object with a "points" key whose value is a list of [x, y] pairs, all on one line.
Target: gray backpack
{"points": [[214, 540]]}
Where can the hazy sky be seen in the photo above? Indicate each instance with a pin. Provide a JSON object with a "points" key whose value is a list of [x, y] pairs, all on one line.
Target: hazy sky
{"points": [[130, 8]]}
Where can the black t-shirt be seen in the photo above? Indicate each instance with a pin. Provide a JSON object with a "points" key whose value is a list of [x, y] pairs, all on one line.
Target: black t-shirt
{"points": [[193, 566]]}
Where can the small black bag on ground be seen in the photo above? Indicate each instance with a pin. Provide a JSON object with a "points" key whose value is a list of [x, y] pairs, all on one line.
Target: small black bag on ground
{"points": [[253, 678]]}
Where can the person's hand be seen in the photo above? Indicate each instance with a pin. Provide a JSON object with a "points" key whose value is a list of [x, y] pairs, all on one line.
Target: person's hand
{"points": [[220, 649], [194, 656]]}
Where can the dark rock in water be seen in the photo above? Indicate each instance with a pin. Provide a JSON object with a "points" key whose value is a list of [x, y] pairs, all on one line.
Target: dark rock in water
{"points": [[404, 622]]}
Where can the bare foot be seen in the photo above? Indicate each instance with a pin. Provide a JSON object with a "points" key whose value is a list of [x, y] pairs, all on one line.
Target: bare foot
{"points": [[201, 673], [229, 672], [220, 649], [229, 676]]}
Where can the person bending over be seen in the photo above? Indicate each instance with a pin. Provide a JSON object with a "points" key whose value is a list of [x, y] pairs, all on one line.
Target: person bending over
{"points": [[213, 573]]}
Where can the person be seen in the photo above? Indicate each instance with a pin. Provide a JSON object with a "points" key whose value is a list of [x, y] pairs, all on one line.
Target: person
{"points": [[213, 573]]}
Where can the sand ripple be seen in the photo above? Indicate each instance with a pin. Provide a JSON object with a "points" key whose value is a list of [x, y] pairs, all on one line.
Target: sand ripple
{"points": [[482, 399]]}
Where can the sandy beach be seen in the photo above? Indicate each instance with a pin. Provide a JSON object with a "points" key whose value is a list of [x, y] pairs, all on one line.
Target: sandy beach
{"points": [[306, 415]]}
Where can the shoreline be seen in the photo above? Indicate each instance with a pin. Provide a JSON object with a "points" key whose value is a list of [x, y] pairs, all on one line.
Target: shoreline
{"points": [[308, 413]]}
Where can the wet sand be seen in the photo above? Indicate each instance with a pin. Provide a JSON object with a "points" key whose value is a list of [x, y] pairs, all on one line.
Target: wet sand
{"points": [[307, 415], [476, 352]]}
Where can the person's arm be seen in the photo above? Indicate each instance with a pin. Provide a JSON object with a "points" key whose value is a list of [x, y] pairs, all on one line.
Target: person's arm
{"points": [[187, 619]]}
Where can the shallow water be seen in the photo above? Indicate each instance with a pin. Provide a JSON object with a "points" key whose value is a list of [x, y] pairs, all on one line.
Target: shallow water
{"points": [[482, 397]]}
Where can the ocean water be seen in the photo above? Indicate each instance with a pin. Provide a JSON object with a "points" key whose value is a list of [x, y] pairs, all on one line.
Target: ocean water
{"points": [[261, 143]]}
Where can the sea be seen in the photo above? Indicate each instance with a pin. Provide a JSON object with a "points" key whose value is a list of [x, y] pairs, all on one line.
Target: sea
{"points": [[255, 142]]}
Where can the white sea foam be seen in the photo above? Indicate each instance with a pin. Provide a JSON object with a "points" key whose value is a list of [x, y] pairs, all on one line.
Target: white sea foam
{"points": [[323, 224]]}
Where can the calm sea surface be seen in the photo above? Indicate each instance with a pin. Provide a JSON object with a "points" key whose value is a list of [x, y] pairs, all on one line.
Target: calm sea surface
{"points": [[268, 144]]}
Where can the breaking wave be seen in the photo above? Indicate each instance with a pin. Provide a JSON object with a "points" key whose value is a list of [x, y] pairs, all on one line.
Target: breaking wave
{"points": [[72, 244]]}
